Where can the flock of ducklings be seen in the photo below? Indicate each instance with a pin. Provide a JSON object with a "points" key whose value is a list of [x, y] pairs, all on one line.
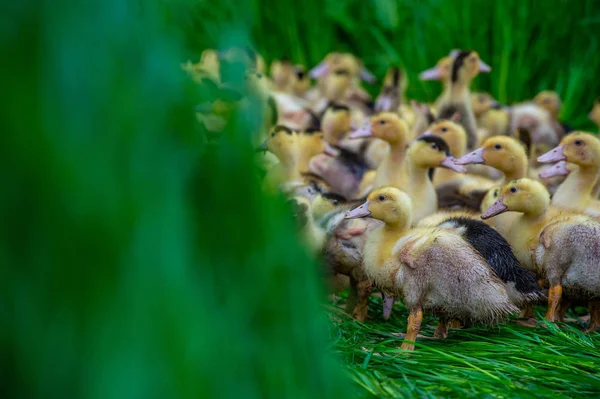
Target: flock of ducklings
{"points": [[465, 208]]}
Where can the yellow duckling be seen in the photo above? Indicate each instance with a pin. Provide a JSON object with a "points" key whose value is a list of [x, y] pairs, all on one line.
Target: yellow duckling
{"points": [[442, 72], [577, 191], [431, 269], [563, 248], [283, 143], [457, 97], [390, 128]]}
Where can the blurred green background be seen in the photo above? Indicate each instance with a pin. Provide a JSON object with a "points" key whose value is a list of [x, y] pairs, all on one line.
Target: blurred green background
{"points": [[137, 261]]}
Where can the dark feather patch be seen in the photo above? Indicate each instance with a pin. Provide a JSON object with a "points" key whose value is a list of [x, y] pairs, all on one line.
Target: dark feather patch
{"points": [[355, 163], [395, 77], [282, 128], [525, 137], [273, 107], [338, 107], [334, 196], [311, 130], [498, 254], [458, 63], [430, 173], [440, 142]]}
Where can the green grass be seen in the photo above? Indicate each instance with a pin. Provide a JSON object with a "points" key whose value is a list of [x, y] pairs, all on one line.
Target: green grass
{"points": [[505, 361]]}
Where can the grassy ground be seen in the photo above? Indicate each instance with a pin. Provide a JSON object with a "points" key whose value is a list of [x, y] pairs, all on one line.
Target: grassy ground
{"points": [[506, 361]]}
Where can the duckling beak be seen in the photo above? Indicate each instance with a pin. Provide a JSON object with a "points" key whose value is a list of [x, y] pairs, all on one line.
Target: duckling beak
{"points": [[554, 155], [359, 212], [483, 67], [367, 76], [560, 169], [430, 74], [363, 131], [426, 133], [495, 209], [262, 147], [475, 157], [319, 71], [331, 151], [450, 163]]}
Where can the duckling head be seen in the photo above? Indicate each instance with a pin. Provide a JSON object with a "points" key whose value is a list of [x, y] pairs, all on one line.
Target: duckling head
{"points": [[311, 142], [550, 101], [336, 123], [594, 114], [301, 80], [433, 152], [467, 65], [501, 152], [282, 142], [441, 71], [580, 148], [282, 73], [482, 102], [452, 133], [337, 84], [522, 195], [386, 126], [324, 203], [388, 204], [490, 197]]}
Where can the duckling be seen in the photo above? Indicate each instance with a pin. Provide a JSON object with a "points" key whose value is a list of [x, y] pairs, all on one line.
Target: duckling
{"points": [[563, 248], [283, 143], [457, 98], [455, 136], [343, 250], [551, 102], [301, 82], [594, 114], [389, 127], [576, 192], [492, 119], [544, 130], [431, 269], [423, 155], [282, 75]]}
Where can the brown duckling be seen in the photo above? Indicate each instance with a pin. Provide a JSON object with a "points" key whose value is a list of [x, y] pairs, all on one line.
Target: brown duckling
{"points": [[283, 143], [577, 191], [429, 268], [392, 92], [561, 247], [551, 102]]}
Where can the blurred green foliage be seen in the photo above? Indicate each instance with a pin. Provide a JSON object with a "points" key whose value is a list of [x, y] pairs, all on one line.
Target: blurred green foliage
{"points": [[531, 45], [138, 261]]}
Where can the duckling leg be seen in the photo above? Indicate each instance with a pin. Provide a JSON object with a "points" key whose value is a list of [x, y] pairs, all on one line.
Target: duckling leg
{"points": [[564, 306], [554, 295], [414, 325], [594, 316], [441, 331], [364, 288]]}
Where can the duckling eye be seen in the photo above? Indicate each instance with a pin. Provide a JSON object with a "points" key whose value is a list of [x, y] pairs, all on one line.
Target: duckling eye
{"points": [[335, 202], [381, 198], [444, 129], [513, 190], [273, 134], [498, 146], [382, 122], [496, 192], [578, 142]]}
